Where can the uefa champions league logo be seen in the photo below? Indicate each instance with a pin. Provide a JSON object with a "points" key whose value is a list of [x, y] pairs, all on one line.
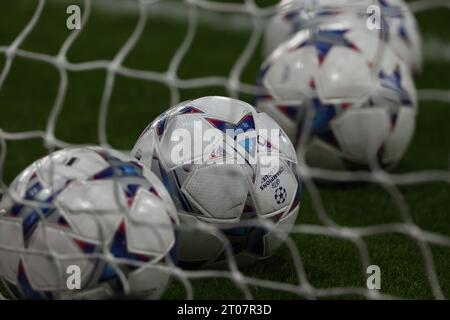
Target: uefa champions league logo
{"points": [[280, 195]]}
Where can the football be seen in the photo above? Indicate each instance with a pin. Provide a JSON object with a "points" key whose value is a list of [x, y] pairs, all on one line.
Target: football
{"points": [[244, 173], [395, 20], [342, 93], [87, 212]]}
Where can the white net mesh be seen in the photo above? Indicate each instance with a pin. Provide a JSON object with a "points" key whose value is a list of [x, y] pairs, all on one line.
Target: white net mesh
{"points": [[248, 18]]}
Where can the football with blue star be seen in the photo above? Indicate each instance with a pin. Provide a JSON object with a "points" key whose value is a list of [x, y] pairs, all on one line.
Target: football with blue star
{"points": [[342, 95], [392, 17], [227, 167], [86, 223]]}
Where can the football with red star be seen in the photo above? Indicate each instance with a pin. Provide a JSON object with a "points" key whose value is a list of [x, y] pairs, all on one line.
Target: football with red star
{"points": [[72, 209], [227, 167], [343, 96]]}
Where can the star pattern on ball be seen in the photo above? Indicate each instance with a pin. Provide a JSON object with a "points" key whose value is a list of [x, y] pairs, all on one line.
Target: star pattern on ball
{"points": [[394, 82], [39, 208], [161, 123], [160, 126], [119, 246], [396, 12], [23, 283], [118, 168], [390, 10], [323, 113], [33, 214], [320, 125], [42, 208], [188, 110], [324, 40], [298, 22], [247, 123], [404, 35]]}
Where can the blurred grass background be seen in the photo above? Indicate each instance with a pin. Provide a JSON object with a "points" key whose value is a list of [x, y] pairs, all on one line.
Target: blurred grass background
{"points": [[28, 95]]}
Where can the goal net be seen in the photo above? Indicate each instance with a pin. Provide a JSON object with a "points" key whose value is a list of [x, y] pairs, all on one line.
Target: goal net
{"points": [[132, 59]]}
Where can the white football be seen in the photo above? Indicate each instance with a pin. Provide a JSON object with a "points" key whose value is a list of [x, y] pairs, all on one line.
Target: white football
{"points": [[236, 166], [394, 18], [86, 223], [345, 92]]}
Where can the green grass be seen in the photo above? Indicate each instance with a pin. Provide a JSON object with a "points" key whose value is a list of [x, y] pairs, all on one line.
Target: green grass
{"points": [[29, 92]]}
